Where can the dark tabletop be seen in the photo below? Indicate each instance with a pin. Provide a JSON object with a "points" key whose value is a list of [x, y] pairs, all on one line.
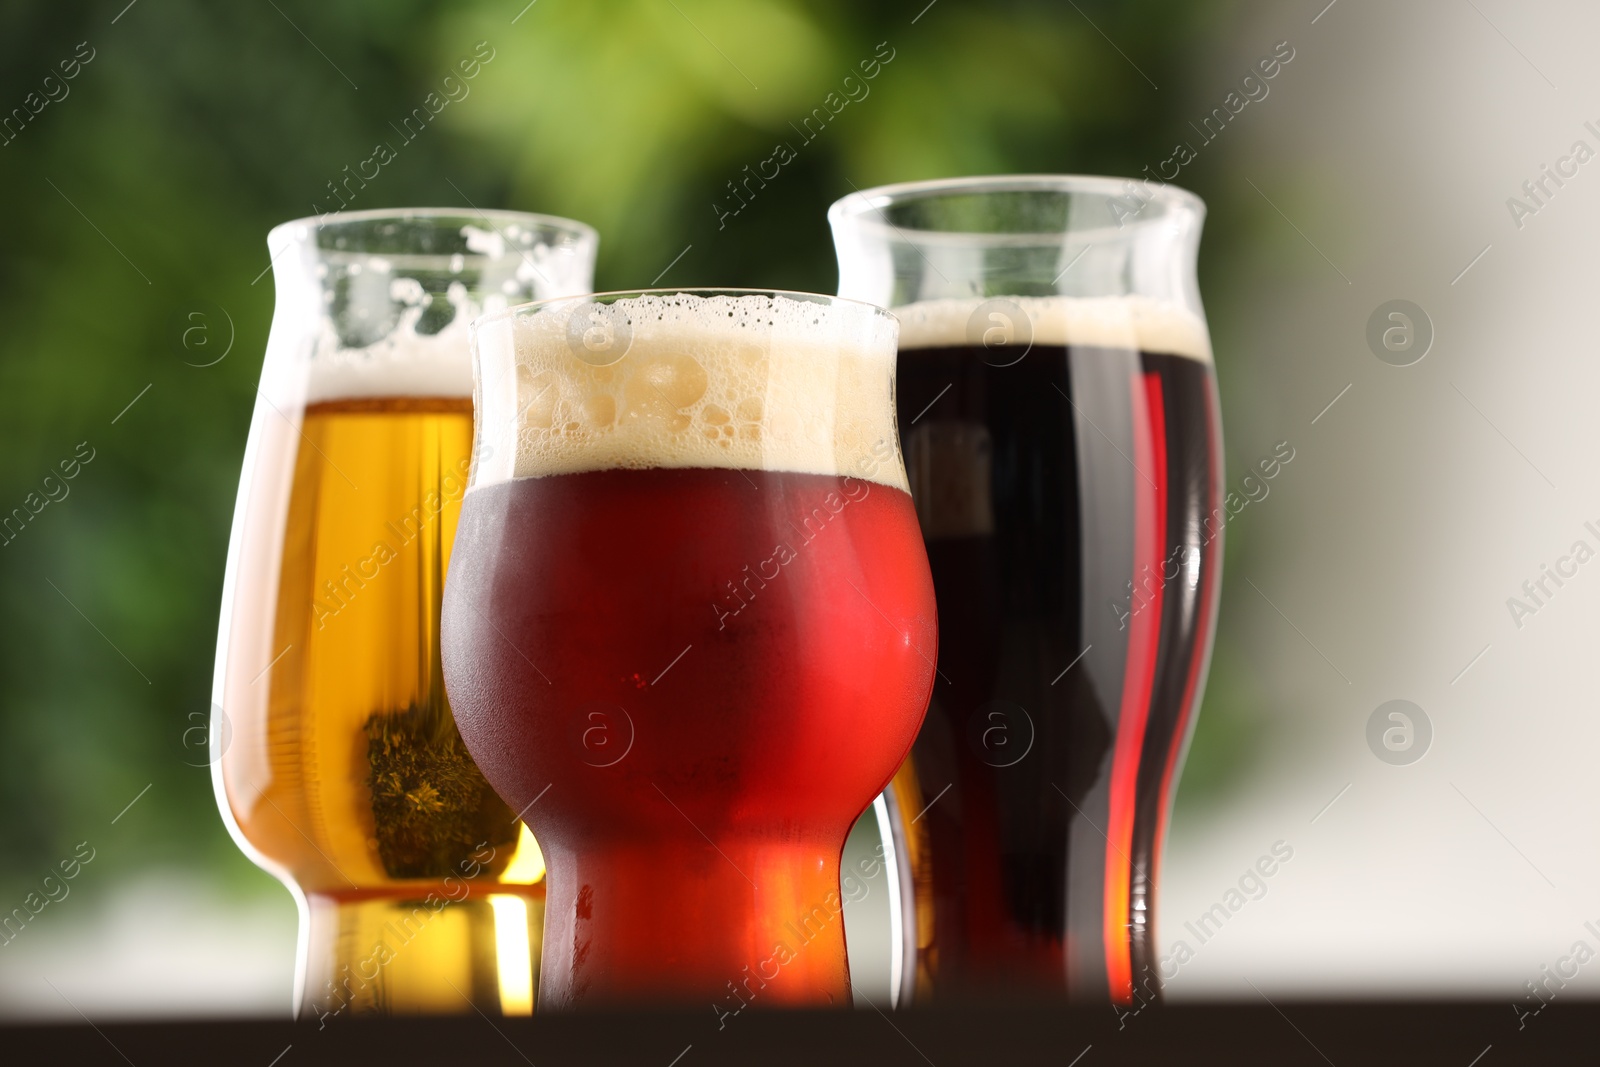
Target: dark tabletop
{"points": [[1284, 1032]]}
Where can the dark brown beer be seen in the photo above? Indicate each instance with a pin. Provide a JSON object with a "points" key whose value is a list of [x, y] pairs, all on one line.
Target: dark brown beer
{"points": [[1068, 493]]}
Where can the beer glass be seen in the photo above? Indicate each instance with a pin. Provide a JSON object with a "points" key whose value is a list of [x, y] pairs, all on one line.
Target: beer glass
{"points": [[1062, 438], [689, 630], [336, 762]]}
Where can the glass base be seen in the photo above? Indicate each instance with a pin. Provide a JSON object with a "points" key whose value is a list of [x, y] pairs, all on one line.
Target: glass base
{"points": [[424, 950], [739, 923]]}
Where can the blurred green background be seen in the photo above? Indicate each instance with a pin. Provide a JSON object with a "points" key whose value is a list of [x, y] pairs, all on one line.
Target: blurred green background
{"points": [[145, 193]]}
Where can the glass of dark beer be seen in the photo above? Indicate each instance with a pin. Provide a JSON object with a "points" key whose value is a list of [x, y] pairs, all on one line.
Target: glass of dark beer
{"points": [[689, 629], [336, 762], [1059, 413]]}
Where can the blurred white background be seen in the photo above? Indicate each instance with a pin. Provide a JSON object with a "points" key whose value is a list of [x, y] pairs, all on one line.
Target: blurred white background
{"points": [[1416, 506]]}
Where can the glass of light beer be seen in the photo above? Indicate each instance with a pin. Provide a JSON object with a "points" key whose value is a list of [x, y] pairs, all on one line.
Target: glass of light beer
{"points": [[689, 629], [1061, 427], [336, 761]]}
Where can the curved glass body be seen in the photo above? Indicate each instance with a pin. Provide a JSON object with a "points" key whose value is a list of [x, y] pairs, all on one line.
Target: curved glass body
{"points": [[689, 629], [336, 762], [1060, 418]]}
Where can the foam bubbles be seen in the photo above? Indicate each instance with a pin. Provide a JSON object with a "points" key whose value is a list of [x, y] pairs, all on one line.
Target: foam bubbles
{"points": [[751, 382], [405, 362], [396, 322], [1136, 322]]}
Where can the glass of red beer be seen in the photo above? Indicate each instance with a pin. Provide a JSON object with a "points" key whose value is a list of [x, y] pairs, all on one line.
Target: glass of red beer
{"points": [[689, 629]]}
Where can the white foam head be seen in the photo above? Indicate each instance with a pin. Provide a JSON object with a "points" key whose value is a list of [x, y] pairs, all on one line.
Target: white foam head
{"points": [[370, 323], [752, 382], [404, 362], [1133, 322]]}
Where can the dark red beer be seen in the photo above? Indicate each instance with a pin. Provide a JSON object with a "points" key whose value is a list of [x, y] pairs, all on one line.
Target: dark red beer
{"points": [[691, 681]]}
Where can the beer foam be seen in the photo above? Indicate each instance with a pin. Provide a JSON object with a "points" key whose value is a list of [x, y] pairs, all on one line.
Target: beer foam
{"points": [[1136, 322], [752, 382], [405, 362]]}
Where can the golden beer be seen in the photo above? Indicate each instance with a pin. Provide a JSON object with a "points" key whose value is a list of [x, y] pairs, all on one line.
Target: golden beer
{"points": [[338, 764], [371, 800]]}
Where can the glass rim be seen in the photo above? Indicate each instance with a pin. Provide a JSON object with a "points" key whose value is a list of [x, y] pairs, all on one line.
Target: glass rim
{"points": [[858, 206], [581, 232], [534, 307]]}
